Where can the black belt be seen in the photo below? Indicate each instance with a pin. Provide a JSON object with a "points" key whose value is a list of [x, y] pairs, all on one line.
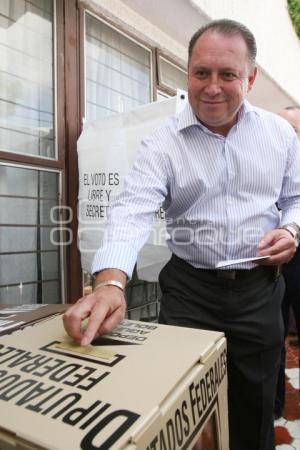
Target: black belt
{"points": [[271, 272], [237, 273]]}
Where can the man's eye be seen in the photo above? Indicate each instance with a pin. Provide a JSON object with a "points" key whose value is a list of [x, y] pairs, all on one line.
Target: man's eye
{"points": [[228, 76], [202, 74]]}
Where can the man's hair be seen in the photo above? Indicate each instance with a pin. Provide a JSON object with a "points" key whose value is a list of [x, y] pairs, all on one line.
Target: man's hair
{"points": [[227, 27], [292, 107]]}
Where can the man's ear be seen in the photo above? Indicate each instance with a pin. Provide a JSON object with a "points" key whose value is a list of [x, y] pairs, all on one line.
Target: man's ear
{"points": [[251, 78]]}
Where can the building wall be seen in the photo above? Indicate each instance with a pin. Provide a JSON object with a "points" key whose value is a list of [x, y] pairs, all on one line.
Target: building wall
{"points": [[278, 44]]}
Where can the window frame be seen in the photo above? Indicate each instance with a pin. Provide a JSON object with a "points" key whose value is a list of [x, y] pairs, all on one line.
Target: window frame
{"points": [[58, 161], [127, 35], [161, 86], [57, 164], [61, 251]]}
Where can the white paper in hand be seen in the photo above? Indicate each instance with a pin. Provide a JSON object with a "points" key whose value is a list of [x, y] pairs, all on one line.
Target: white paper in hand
{"points": [[231, 262]]}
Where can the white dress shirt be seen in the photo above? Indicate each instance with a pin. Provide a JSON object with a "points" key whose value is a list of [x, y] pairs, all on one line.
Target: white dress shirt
{"points": [[218, 193]]}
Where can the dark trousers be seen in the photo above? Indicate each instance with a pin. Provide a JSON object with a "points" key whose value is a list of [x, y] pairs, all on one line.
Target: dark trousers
{"points": [[247, 309], [291, 273]]}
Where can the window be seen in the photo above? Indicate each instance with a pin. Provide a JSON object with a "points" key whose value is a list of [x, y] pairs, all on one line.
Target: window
{"points": [[26, 77], [30, 183], [170, 75], [29, 256], [118, 71]]}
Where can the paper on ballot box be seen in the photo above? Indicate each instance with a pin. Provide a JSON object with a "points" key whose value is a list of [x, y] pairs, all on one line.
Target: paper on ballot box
{"points": [[143, 386]]}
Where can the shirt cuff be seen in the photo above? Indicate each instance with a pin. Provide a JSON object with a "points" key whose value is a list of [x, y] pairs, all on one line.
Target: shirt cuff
{"points": [[291, 216], [115, 256]]}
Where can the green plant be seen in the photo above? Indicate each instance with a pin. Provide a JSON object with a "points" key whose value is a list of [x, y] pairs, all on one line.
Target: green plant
{"points": [[294, 11]]}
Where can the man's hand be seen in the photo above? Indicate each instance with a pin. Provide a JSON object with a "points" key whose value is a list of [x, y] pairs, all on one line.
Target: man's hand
{"points": [[279, 244], [105, 308]]}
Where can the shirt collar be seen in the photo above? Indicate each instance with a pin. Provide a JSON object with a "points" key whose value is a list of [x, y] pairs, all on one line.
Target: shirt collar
{"points": [[245, 109], [187, 118]]}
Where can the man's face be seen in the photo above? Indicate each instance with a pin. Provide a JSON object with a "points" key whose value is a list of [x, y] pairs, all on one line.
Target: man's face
{"points": [[219, 79], [292, 116]]}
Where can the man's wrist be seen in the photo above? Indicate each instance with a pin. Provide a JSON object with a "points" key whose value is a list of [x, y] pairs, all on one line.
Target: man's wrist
{"points": [[116, 283], [110, 277], [294, 231]]}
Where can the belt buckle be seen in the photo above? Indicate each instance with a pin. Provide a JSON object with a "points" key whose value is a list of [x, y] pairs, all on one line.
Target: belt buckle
{"points": [[227, 274]]}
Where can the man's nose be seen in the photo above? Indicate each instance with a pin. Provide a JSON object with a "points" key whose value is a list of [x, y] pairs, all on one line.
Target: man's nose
{"points": [[213, 86]]}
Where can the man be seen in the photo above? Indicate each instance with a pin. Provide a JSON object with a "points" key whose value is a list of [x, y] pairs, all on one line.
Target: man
{"points": [[219, 167], [291, 273]]}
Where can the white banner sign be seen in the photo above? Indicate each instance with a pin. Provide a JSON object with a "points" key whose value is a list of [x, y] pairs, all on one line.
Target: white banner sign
{"points": [[106, 151]]}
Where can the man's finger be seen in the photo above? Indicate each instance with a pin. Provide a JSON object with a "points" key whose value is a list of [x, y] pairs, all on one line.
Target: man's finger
{"points": [[74, 316], [282, 246], [276, 241], [96, 318], [112, 321], [279, 258]]}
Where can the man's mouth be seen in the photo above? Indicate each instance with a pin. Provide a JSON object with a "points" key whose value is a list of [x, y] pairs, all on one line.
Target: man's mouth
{"points": [[213, 102]]}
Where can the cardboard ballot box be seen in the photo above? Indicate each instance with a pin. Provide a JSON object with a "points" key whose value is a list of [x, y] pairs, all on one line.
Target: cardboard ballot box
{"points": [[143, 386], [13, 317]]}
